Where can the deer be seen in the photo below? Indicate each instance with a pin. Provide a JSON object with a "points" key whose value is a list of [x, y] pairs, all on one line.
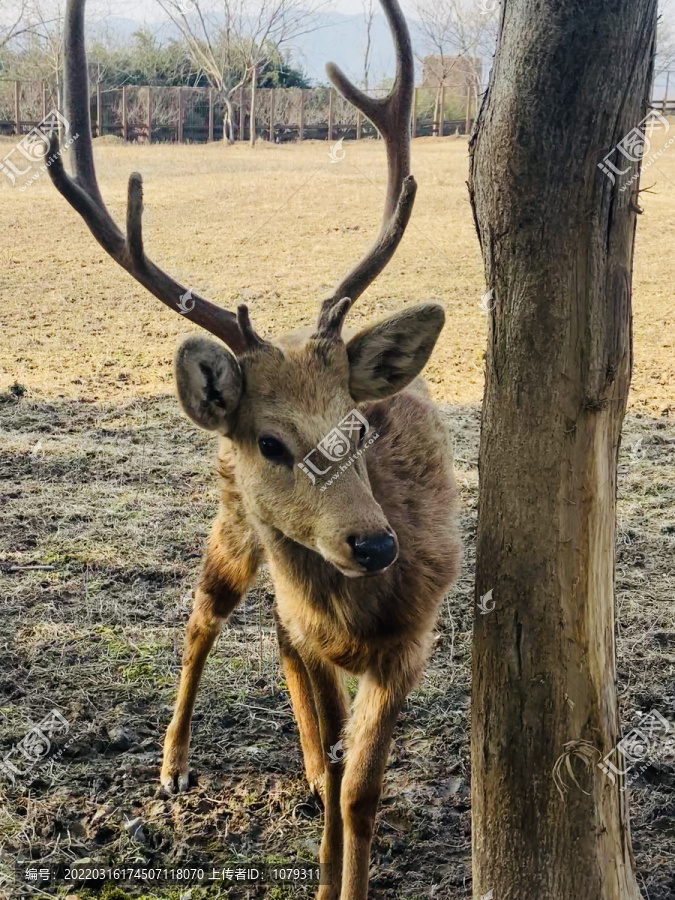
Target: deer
{"points": [[359, 567]]}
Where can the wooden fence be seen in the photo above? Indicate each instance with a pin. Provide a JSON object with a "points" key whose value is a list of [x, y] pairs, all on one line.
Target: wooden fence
{"points": [[196, 115]]}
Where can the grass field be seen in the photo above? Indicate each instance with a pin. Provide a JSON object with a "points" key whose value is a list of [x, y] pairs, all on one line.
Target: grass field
{"points": [[108, 492]]}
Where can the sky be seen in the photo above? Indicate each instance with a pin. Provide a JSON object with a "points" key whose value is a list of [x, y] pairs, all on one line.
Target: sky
{"points": [[150, 8], [342, 43], [313, 51]]}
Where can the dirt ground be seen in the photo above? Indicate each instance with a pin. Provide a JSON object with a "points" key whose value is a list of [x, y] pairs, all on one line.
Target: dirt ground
{"points": [[108, 493]]}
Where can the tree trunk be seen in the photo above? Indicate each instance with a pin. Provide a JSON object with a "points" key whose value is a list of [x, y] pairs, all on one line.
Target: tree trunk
{"points": [[254, 79], [570, 80], [228, 120], [437, 111]]}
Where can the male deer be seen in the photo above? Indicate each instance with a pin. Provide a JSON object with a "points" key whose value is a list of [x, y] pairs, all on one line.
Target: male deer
{"points": [[359, 569]]}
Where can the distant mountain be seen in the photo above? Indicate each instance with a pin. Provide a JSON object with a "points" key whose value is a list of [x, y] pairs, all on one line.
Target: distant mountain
{"points": [[119, 30], [342, 39]]}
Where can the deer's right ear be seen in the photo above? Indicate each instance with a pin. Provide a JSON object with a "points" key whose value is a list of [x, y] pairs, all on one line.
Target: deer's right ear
{"points": [[209, 383]]}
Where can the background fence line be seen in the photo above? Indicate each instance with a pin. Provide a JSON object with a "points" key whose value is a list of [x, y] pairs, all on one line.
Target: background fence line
{"points": [[196, 115]]}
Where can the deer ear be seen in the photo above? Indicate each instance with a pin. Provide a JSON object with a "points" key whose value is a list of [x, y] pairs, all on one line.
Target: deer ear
{"points": [[209, 383], [387, 356]]}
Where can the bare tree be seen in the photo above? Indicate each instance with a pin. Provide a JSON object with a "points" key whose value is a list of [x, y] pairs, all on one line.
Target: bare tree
{"points": [[665, 45], [457, 33], [40, 39], [41, 51], [231, 39], [549, 805], [369, 18], [14, 22]]}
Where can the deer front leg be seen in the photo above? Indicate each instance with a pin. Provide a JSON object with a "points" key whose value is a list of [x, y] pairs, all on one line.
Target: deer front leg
{"points": [[304, 709], [229, 567], [331, 708], [376, 709]]}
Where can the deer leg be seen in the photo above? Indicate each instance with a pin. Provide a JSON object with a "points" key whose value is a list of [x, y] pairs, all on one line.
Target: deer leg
{"points": [[230, 565], [376, 709], [304, 709], [331, 708]]}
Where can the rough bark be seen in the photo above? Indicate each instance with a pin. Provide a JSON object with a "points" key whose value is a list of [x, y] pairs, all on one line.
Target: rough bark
{"points": [[570, 79]]}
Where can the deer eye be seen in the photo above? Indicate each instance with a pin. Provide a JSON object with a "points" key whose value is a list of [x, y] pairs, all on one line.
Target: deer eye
{"points": [[272, 449], [362, 435]]}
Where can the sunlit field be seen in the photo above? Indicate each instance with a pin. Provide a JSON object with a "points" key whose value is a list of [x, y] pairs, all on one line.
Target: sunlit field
{"points": [[108, 493]]}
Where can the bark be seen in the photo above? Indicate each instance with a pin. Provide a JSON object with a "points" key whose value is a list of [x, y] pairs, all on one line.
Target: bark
{"points": [[228, 120], [570, 79]]}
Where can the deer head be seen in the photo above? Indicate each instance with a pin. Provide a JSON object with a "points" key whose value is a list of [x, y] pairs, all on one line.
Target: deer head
{"points": [[276, 400]]}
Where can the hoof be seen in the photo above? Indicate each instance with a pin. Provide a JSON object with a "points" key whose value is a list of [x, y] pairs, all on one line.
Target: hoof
{"points": [[318, 789], [175, 781]]}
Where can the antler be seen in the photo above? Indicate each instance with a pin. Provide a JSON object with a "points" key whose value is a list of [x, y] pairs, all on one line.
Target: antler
{"points": [[83, 194], [391, 117]]}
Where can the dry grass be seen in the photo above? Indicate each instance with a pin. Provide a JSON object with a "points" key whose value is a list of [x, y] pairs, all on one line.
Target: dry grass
{"points": [[275, 227], [104, 482]]}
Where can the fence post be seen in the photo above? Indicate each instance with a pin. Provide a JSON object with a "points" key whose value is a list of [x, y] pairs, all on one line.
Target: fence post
{"points": [[99, 111], [149, 115], [62, 105], [17, 106], [358, 125], [302, 114], [272, 115], [441, 113], [665, 94], [181, 112], [413, 123], [242, 115], [251, 127], [330, 114], [467, 121], [125, 118], [44, 100], [211, 117]]}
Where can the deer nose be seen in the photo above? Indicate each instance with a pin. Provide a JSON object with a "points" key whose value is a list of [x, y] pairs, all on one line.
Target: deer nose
{"points": [[373, 551]]}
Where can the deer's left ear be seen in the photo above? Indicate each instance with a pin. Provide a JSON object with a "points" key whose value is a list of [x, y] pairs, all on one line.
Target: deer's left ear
{"points": [[386, 357], [209, 383]]}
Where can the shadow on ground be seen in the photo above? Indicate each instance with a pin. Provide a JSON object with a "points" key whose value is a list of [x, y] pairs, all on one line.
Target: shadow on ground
{"points": [[104, 514]]}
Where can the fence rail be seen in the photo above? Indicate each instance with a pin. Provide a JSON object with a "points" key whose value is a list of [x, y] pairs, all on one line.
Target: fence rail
{"points": [[197, 115]]}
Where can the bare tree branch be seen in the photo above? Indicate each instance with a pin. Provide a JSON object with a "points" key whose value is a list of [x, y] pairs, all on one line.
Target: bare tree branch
{"points": [[14, 23], [369, 18]]}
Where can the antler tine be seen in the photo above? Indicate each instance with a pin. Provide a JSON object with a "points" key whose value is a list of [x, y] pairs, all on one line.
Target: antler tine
{"points": [[391, 117], [83, 194]]}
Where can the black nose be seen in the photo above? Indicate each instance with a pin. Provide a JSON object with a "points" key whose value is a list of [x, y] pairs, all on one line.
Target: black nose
{"points": [[373, 551]]}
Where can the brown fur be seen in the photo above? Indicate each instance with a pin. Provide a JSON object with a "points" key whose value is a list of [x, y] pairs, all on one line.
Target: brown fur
{"points": [[378, 626]]}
